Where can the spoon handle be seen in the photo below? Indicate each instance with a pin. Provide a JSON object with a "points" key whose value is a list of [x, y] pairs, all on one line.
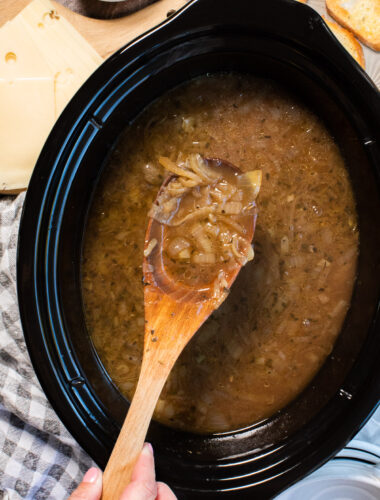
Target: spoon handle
{"points": [[118, 472], [168, 328]]}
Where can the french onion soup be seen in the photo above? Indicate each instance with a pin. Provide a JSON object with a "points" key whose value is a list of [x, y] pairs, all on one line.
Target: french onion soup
{"points": [[266, 342]]}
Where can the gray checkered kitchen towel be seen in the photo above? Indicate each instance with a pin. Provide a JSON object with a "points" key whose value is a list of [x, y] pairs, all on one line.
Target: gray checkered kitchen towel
{"points": [[39, 459]]}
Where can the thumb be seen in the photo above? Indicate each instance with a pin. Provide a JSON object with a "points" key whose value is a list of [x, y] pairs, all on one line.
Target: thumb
{"points": [[91, 486], [143, 484]]}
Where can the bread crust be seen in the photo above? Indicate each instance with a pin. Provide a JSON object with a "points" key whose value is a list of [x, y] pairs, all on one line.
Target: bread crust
{"points": [[349, 42]]}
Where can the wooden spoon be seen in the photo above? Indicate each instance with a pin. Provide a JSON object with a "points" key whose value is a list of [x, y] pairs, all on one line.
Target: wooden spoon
{"points": [[173, 314]]}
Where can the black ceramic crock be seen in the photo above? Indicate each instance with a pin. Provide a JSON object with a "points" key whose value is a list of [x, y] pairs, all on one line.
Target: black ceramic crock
{"points": [[279, 39]]}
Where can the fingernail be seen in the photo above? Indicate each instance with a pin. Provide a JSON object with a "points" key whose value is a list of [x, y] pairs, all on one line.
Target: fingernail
{"points": [[91, 475], [147, 449]]}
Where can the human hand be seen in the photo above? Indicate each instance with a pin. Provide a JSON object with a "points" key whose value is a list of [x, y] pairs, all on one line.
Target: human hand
{"points": [[143, 485]]}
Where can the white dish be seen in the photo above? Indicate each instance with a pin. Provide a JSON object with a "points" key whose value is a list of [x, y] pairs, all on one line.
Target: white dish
{"points": [[354, 474]]}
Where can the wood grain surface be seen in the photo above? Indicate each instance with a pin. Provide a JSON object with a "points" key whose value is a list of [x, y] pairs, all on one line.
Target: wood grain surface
{"points": [[105, 35], [173, 325]]}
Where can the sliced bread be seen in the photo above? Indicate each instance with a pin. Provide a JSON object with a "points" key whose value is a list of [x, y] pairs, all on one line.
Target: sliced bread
{"points": [[348, 41], [362, 17]]}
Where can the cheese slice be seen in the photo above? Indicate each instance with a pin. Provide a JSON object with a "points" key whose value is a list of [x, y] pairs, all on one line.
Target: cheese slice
{"points": [[43, 62], [70, 57], [19, 57], [27, 116], [27, 105]]}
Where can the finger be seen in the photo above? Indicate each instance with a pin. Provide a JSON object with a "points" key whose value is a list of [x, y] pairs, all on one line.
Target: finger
{"points": [[144, 468], [164, 492], [91, 486], [143, 484]]}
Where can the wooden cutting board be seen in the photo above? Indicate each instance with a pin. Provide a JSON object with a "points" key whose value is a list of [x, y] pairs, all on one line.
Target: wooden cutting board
{"points": [[105, 35]]}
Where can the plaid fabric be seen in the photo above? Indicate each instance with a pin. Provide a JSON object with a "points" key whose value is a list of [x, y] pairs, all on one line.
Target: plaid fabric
{"points": [[38, 457]]}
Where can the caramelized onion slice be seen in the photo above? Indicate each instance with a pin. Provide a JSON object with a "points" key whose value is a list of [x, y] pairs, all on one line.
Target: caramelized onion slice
{"points": [[199, 166], [176, 246], [175, 169], [253, 178], [203, 258]]}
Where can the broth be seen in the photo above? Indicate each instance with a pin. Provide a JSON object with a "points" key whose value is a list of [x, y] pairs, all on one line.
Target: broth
{"points": [[265, 343]]}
